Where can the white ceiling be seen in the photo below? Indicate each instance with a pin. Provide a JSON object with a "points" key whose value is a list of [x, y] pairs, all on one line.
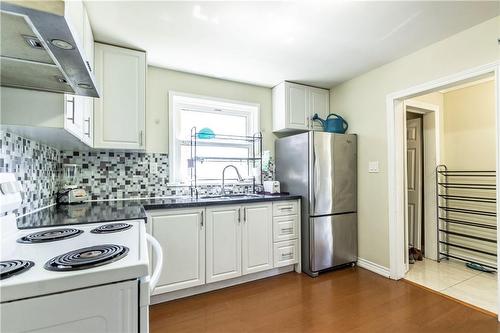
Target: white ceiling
{"points": [[264, 43]]}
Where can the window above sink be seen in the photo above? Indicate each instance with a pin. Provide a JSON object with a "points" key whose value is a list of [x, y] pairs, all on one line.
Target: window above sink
{"points": [[214, 119]]}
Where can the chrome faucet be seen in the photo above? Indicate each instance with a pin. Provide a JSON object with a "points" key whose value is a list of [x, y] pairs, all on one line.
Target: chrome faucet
{"points": [[222, 190]]}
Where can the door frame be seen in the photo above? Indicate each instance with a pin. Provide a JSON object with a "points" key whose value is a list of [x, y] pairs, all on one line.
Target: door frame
{"points": [[395, 113], [424, 109]]}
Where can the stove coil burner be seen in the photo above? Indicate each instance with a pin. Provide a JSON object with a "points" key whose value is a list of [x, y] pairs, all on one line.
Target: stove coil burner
{"points": [[87, 257], [50, 235], [112, 227], [10, 268]]}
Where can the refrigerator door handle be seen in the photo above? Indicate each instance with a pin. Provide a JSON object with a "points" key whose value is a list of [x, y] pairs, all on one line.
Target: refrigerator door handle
{"points": [[312, 157]]}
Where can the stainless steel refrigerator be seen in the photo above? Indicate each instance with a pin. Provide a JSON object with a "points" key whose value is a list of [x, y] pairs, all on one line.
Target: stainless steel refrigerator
{"points": [[321, 167]]}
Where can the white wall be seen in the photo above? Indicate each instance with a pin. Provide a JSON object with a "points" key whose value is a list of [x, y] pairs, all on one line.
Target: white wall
{"points": [[362, 101], [469, 127], [160, 81], [31, 108]]}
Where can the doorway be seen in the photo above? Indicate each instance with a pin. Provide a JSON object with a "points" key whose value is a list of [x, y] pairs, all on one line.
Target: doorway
{"points": [[460, 260], [397, 158]]}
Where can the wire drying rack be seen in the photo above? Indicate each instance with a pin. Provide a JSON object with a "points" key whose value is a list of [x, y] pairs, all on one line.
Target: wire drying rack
{"points": [[253, 160], [466, 216]]}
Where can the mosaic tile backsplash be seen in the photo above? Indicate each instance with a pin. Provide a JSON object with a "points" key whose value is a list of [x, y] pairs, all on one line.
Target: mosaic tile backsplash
{"points": [[104, 174], [36, 166], [118, 175]]}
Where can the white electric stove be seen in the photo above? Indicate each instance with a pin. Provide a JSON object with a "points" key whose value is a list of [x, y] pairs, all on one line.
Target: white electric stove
{"points": [[79, 278]]}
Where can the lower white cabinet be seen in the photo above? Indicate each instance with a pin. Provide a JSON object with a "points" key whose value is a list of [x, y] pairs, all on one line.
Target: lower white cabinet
{"points": [[286, 224], [286, 253], [181, 234], [204, 245], [257, 238], [223, 243], [239, 240]]}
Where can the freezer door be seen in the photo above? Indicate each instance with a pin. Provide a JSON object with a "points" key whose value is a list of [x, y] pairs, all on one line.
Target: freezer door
{"points": [[334, 240], [333, 173]]}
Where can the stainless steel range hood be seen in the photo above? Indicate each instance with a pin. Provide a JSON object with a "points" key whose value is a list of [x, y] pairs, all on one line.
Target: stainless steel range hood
{"points": [[39, 51]]}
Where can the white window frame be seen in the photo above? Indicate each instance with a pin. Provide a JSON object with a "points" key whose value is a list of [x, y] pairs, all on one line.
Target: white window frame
{"points": [[179, 100]]}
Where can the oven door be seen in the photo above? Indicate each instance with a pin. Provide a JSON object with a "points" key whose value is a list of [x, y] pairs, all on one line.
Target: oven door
{"points": [[105, 309]]}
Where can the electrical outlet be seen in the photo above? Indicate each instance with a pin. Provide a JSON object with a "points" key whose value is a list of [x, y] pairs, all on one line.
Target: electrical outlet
{"points": [[153, 167], [373, 167]]}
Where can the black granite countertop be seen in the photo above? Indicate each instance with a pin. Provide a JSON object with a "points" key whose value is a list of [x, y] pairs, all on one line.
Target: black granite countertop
{"points": [[121, 210], [183, 202], [88, 212]]}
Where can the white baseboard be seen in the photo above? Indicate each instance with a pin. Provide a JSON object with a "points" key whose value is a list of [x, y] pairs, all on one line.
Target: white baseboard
{"points": [[169, 296], [375, 268]]}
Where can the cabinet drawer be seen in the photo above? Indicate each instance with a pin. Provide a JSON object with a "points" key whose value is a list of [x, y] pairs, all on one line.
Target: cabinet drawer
{"points": [[286, 253], [285, 227], [285, 208]]}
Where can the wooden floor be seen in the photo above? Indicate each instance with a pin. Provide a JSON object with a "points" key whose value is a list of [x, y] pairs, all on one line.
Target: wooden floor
{"points": [[348, 300]]}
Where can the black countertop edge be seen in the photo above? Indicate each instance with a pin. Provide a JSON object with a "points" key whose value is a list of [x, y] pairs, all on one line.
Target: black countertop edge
{"points": [[125, 210], [153, 204], [83, 213]]}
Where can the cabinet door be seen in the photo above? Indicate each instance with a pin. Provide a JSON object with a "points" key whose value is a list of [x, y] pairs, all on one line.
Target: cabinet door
{"points": [[73, 114], [120, 112], [297, 106], [257, 238], [88, 41], [73, 13], [181, 234], [319, 101], [223, 251], [88, 122]]}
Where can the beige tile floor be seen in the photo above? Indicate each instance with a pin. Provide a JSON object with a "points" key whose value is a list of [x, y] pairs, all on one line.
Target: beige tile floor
{"points": [[452, 278]]}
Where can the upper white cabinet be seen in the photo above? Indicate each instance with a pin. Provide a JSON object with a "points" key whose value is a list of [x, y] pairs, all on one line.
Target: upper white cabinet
{"points": [[79, 110], [74, 15], [294, 106], [119, 121], [73, 115], [181, 234]]}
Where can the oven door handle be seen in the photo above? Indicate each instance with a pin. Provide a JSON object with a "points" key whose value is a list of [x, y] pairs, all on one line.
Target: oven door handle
{"points": [[158, 255]]}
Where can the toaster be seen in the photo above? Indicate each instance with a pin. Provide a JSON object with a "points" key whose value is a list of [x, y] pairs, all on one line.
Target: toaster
{"points": [[271, 186]]}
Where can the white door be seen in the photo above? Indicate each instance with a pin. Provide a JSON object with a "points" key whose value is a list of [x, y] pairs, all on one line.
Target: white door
{"points": [[319, 101], [297, 107], [181, 234], [121, 109], [223, 240], [414, 181], [257, 238]]}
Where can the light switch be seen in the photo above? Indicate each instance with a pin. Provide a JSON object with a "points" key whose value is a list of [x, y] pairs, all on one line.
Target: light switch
{"points": [[373, 167]]}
